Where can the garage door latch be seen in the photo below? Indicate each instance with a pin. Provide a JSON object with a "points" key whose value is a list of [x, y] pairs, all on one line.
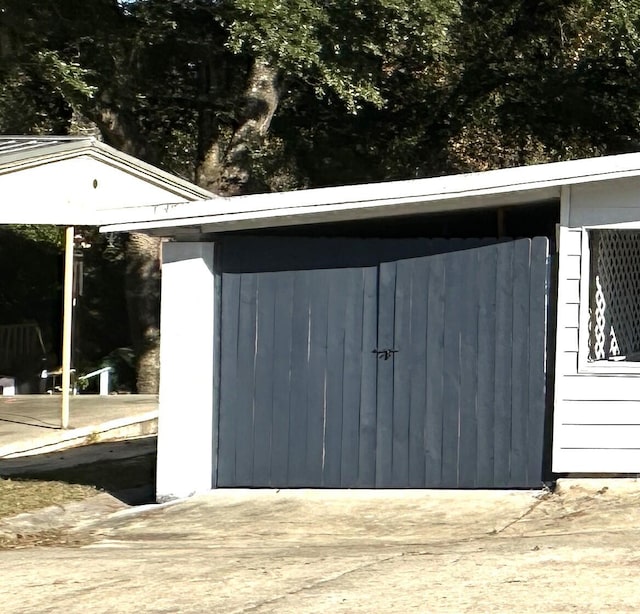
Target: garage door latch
{"points": [[386, 353]]}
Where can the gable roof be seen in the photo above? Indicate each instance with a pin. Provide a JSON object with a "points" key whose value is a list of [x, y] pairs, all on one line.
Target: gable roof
{"points": [[17, 147], [510, 186], [76, 180]]}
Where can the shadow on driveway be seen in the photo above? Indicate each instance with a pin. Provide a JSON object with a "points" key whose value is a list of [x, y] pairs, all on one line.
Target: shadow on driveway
{"points": [[125, 469]]}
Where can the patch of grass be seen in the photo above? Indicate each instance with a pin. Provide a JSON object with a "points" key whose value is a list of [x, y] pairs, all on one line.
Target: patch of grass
{"points": [[19, 495], [33, 490]]}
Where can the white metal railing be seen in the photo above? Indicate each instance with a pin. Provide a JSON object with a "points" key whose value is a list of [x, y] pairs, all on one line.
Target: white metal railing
{"points": [[103, 382], [103, 374]]}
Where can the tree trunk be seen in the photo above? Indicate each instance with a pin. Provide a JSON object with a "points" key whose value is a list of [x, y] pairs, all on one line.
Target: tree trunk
{"points": [[224, 167], [142, 286], [225, 160], [142, 281]]}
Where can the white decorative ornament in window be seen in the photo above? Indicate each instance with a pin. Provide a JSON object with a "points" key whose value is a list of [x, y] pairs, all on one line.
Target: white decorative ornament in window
{"points": [[614, 295]]}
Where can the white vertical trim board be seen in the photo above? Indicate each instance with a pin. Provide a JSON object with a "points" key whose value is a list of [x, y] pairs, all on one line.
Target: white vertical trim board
{"points": [[185, 425], [565, 205], [566, 339], [583, 335]]}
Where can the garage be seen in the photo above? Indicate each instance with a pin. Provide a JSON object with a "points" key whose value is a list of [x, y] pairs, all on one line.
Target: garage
{"points": [[431, 333], [381, 363]]}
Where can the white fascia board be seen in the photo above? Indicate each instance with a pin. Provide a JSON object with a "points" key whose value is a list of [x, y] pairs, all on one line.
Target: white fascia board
{"points": [[457, 192], [316, 214]]}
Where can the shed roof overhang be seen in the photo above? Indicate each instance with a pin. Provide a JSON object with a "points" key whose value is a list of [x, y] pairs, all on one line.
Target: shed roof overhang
{"points": [[80, 181], [512, 186]]}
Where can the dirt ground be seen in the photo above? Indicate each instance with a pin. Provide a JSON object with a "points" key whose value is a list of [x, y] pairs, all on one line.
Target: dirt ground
{"points": [[576, 550]]}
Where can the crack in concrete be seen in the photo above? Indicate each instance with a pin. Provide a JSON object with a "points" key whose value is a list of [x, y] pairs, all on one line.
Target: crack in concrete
{"points": [[321, 582], [433, 545], [543, 497]]}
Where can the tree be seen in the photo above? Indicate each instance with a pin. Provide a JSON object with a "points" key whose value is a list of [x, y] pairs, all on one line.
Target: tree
{"points": [[228, 65], [244, 95]]}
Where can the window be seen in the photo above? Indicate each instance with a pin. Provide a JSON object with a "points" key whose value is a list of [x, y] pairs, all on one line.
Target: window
{"points": [[614, 295]]}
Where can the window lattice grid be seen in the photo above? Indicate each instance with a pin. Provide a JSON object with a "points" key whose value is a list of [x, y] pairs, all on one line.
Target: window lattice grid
{"points": [[614, 301]]}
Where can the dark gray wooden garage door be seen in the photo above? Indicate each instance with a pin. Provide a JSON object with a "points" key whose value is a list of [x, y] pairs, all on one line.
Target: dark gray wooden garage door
{"points": [[349, 363]]}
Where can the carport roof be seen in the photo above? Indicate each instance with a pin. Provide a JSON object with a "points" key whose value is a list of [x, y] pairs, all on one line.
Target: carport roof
{"points": [[79, 180], [14, 148], [511, 186]]}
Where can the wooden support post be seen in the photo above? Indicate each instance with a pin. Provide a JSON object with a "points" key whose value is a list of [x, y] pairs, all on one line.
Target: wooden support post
{"points": [[67, 319]]}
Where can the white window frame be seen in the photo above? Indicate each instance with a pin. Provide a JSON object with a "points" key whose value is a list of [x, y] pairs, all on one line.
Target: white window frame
{"points": [[585, 366]]}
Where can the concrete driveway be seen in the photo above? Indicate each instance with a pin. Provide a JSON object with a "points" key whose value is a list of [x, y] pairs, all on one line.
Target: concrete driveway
{"points": [[338, 551], [30, 423]]}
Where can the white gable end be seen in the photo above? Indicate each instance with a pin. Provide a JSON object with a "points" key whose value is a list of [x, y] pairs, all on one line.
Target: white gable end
{"points": [[74, 181], [76, 191]]}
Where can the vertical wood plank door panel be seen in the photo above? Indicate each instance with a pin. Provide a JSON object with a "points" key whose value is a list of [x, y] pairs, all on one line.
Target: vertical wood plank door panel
{"points": [[457, 402], [469, 335], [297, 396]]}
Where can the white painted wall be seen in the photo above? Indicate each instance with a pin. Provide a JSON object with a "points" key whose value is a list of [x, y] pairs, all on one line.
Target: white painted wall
{"points": [[75, 191], [185, 425], [596, 409]]}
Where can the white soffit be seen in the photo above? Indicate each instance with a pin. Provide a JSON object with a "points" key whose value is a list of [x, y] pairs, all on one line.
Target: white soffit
{"points": [[77, 180], [512, 186]]}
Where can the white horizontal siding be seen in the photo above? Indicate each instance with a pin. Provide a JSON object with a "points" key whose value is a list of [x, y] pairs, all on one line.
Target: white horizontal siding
{"points": [[570, 267], [600, 436], [572, 242], [566, 363], [567, 339], [568, 316], [571, 315], [596, 437], [598, 413], [571, 292], [596, 425], [600, 387], [591, 460]]}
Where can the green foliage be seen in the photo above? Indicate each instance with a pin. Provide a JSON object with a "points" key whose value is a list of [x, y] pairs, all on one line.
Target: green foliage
{"points": [[367, 90], [371, 89], [543, 81], [44, 234], [164, 65], [347, 47], [65, 77]]}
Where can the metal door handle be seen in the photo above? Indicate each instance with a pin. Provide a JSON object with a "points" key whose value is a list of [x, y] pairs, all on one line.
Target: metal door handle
{"points": [[386, 353]]}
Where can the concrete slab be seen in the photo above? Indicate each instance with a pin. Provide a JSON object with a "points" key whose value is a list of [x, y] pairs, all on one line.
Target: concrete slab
{"points": [[242, 551], [30, 424]]}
